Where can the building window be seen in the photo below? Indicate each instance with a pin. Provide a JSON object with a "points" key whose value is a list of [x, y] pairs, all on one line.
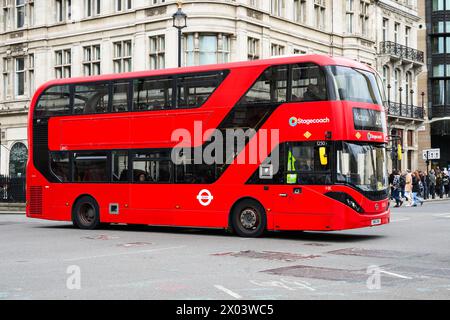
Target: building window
{"points": [[63, 10], [397, 84], [385, 29], [20, 13], [440, 45], [396, 29], [364, 18], [158, 1], [157, 52], [122, 5], [407, 36], [18, 160], [252, 48], [31, 84], [253, 3], [63, 63], [91, 60], [6, 77], [207, 48], [440, 5], [122, 56], [438, 87], [278, 7], [319, 11], [386, 76], [299, 10], [349, 16], [20, 77], [92, 7], [277, 50]]}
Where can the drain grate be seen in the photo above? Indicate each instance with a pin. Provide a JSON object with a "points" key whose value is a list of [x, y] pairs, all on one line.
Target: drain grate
{"points": [[268, 255], [373, 253]]}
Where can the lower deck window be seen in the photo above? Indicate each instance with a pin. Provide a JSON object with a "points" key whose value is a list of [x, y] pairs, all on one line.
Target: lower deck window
{"points": [[91, 167]]}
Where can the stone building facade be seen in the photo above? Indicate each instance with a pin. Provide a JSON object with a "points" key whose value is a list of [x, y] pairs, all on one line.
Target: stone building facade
{"points": [[46, 39]]}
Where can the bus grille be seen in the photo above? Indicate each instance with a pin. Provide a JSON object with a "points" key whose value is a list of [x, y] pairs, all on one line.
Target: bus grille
{"points": [[35, 200]]}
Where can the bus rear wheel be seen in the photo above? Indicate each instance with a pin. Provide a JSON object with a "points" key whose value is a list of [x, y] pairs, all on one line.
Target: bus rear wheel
{"points": [[86, 214], [248, 219]]}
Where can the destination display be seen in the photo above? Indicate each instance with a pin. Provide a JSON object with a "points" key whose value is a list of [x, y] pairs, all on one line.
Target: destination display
{"points": [[367, 119]]}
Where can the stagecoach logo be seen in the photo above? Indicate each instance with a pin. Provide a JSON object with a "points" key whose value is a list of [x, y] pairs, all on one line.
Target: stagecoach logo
{"points": [[205, 197], [371, 136], [294, 121]]}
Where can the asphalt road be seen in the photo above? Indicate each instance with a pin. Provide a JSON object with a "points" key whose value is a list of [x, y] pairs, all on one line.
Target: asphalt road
{"points": [[407, 259]]}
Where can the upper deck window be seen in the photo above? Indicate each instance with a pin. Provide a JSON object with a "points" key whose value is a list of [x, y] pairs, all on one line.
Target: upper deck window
{"points": [[288, 83], [356, 85], [55, 101]]}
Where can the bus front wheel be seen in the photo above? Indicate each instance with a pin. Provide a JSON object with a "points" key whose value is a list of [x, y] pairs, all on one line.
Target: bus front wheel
{"points": [[248, 219], [86, 214]]}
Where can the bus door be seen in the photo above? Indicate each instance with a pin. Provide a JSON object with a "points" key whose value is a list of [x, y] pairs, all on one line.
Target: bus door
{"points": [[151, 191]]}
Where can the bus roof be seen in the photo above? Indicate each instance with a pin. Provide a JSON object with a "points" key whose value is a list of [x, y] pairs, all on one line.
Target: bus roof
{"points": [[322, 60]]}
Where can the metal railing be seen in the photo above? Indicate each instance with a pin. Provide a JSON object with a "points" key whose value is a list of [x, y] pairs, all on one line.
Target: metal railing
{"points": [[12, 189], [405, 111], [401, 51]]}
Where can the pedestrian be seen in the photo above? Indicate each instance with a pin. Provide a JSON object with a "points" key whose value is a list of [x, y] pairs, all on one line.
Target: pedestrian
{"points": [[416, 182], [432, 178], [408, 187], [402, 186], [439, 192], [426, 185], [391, 182], [446, 182], [396, 189]]}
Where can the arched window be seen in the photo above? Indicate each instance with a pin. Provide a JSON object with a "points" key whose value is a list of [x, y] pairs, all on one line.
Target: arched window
{"points": [[18, 160]]}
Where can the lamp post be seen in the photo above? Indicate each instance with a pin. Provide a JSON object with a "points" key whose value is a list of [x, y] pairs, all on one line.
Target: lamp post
{"points": [[389, 94], [411, 92], [180, 22]]}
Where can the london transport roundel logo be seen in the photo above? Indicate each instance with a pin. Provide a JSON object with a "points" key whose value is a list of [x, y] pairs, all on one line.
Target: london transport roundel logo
{"points": [[205, 197]]}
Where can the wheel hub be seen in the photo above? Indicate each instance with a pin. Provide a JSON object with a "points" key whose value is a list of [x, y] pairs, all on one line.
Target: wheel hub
{"points": [[249, 218]]}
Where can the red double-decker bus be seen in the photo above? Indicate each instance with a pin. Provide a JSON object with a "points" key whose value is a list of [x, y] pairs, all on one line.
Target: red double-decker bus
{"points": [[130, 148]]}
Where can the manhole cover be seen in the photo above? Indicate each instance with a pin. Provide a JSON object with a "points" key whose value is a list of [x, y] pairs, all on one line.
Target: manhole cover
{"points": [[268, 255], [101, 237], [320, 273]]}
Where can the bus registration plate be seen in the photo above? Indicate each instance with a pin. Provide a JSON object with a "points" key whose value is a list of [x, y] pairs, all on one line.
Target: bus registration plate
{"points": [[376, 222]]}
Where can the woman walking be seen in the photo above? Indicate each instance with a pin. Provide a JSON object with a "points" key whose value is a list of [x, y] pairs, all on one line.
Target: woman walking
{"points": [[396, 189], [416, 189]]}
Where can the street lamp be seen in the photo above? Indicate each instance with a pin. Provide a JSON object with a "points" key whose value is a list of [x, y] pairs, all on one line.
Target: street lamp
{"points": [[411, 92], [400, 90], [423, 95], [179, 22]]}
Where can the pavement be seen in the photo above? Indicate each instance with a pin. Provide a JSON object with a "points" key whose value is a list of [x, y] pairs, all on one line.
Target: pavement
{"points": [[406, 259]]}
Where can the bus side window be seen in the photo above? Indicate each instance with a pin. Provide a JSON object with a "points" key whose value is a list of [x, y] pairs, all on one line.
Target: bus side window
{"points": [[194, 90], [55, 101], [152, 167], [120, 97], [308, 83], [91, 167], [60, 165], [152, 94], [271, 87], [90, 98], [119, 166]]}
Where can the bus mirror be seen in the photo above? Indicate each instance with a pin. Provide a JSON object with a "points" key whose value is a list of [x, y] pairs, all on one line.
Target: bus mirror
{"points": [[323, 156]]}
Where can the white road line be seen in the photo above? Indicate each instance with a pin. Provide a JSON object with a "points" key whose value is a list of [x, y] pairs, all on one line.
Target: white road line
{"points": [[400, 220], [442, 215], [123, 253], [395, 274], [228, 291]]}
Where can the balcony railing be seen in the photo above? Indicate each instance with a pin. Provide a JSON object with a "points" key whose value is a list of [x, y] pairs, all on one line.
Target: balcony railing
{"points": [[401, 51], [405, 111]]}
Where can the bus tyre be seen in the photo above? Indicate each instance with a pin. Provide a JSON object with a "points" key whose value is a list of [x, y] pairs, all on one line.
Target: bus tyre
{"points": [[86, 214], [248, 219]]}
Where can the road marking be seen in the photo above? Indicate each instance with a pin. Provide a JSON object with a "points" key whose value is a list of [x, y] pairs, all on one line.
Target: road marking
{"points": [[442, 215], [395, 274], [123, 253], [400, 220], [228, 291]]}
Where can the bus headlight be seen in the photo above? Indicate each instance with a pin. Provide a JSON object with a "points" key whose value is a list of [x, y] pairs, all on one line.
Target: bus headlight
{"points": [[345, 199]]}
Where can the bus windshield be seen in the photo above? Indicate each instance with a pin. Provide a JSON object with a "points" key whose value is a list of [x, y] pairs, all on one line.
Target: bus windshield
{"points": [[363, 166], [355, 85]]}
